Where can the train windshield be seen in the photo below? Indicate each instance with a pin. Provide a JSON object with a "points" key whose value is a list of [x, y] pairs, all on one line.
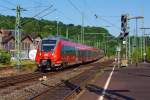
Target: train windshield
{"points": [[48, 45]]}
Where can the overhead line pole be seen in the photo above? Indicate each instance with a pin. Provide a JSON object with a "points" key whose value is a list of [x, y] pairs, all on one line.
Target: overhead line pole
{"points": [[136, 34], [18, 35], [144, 42]]}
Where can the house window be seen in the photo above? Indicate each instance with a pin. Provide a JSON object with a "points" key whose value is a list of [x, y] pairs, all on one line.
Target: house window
{"points": [[22, 46], [11, 45], [6, 46]]}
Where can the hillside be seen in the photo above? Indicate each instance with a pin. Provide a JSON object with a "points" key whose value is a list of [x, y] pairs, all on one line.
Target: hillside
{"points": [[45, 27]]}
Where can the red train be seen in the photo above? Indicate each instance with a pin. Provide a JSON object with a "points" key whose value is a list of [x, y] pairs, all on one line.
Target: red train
{"points": [[59, 52]]}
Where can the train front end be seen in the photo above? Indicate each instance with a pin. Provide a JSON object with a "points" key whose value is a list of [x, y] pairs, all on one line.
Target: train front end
{"points": [[46, 54]]}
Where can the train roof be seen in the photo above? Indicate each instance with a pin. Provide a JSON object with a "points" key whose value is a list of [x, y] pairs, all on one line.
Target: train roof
{"points": [[70, 43], [55, 38], [78, 45]]}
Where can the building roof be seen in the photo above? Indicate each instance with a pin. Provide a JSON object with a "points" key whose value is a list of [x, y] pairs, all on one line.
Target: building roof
{"points": [[7, 38], [26, 36], [9, 34], [6, 32]]}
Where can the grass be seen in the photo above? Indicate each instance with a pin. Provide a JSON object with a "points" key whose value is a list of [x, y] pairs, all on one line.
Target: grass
{"points": [[25, 65], [4, 65]]}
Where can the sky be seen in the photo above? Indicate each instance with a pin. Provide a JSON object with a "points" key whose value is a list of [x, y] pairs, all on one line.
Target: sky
{"points": [[70, 11]]}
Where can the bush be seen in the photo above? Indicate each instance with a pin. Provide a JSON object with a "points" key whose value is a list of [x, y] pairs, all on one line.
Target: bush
{"points": [[4, 57], [25, 65]]}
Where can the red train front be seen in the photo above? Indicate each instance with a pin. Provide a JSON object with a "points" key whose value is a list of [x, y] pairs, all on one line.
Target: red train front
{"points": [[59, 52]]}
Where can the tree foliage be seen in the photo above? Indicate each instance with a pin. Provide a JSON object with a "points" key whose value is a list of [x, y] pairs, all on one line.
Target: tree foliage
{"points": [[4, 57], [45, 28]]}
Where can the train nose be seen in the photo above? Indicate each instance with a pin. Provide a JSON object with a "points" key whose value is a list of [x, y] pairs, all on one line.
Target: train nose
{"points": [[46, 55], [44, 62]]}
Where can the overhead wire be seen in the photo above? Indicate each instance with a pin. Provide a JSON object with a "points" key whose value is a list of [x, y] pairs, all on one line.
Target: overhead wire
{"points": [[5, 7], [48, 13], [68, 18], [33, 8], [36, 15], [102, 17], [43, 11], [8, 2], [108, 22], [74, 6], [62, 13]]}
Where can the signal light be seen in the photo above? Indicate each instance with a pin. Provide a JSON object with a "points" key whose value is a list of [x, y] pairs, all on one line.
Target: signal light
{"points": [[121, 36], [126, 34], [124, 23], [124, 28]]}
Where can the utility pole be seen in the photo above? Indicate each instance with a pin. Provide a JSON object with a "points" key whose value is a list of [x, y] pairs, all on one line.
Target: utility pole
{"points": [[18, 35]]}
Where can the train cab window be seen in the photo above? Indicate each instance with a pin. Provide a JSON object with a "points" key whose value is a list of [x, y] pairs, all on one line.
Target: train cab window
{"points": [[48, 45]]}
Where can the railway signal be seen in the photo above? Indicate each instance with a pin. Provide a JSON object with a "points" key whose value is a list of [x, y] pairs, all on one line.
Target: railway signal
{"points": [[124, 26]]}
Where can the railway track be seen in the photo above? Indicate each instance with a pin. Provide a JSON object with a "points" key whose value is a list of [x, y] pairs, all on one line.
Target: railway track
{"points": [[63, 90], [67, 89], [12, 80]]}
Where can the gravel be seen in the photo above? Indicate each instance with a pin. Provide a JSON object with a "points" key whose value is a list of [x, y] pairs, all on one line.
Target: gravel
{"points": [[13, 93]]}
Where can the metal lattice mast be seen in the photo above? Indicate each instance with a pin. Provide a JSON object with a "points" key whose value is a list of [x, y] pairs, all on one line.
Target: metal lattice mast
{"points": [[17, 35]]}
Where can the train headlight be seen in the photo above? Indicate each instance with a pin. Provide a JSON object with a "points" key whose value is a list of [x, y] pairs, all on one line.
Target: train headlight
{"points": [[54, 56], [40, 53]]}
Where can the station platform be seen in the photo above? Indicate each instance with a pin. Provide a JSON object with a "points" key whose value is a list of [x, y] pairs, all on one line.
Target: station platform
{"points": [[127, 83]]}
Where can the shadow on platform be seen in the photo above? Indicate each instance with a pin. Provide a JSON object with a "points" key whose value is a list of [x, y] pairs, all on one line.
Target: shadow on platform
{"points": [[140, 75], [109, 94]]}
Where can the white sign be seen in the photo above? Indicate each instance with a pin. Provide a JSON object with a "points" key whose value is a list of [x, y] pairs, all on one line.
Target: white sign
{"points": [[32, 54], [124, 42]]}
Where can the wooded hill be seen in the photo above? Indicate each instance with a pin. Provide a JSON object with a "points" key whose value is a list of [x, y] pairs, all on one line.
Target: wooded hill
{"points": [[45, 28]]}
